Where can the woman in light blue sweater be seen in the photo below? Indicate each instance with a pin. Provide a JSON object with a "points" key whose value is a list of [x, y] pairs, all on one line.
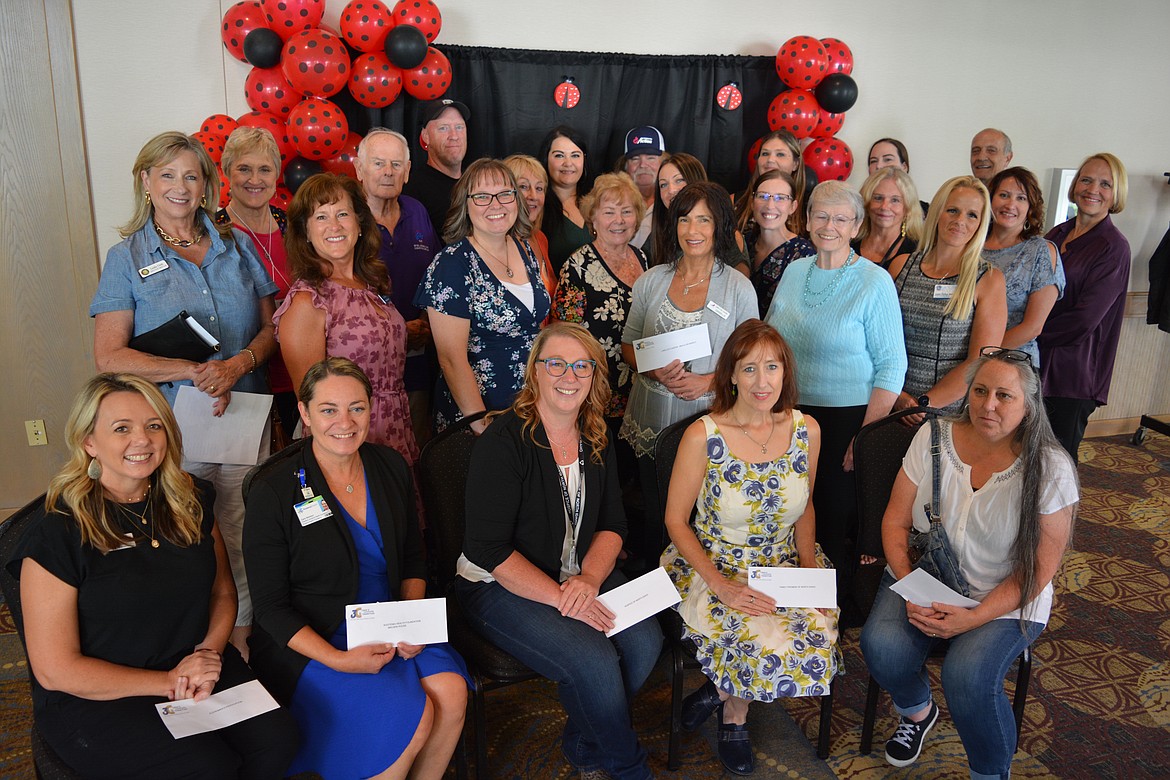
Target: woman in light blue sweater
{"points": [[841, 318]]}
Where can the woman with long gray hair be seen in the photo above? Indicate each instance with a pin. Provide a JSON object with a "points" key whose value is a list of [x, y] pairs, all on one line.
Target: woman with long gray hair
{"points": [[1007, 497]]}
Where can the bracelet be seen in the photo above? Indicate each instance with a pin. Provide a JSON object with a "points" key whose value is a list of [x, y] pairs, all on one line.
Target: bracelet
{"points": [[252, 355]]}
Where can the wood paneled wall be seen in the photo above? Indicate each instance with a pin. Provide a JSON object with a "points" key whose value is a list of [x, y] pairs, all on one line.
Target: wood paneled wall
{"points": [[48, 255]]}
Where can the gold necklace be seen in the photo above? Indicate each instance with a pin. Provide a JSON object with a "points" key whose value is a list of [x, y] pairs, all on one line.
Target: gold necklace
{"points": [[142, 518], [182, 243], [504, 262], [763, 447], [276, 274], [564, 450]]}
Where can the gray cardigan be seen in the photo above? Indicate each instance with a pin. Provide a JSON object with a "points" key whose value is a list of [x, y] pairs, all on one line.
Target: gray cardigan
{"points": [[652, 407]]}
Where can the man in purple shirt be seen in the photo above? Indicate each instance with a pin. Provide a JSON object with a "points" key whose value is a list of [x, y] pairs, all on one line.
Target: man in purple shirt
{"points": [[409, 244]]}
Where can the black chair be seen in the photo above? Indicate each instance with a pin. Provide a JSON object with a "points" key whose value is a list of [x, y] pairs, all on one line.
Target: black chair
{"points": [[683, 652], [47, 764], [878, 450], [443, 468]]}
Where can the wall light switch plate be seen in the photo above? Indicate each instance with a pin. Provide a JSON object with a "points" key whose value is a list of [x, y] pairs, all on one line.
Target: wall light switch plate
{"points": [[35, 429]]}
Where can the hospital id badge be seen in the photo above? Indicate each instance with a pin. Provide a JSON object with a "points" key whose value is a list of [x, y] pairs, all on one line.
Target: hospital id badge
{"points": [[309, 512]]}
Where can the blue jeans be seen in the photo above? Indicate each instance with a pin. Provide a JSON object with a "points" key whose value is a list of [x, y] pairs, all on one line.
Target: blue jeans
{"points": [[972, 676], [596, 676]]}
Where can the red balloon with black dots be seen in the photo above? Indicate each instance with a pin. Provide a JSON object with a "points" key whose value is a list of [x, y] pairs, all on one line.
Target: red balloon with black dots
{"points": [[220, 124], [365, 23], [830, 158], [342, 163], [795, 110], [238, 21], [225, 187], [828, 124], [318, 128], [212, 143], [289, 17], [840, 56], [316, 62], [274, 124], [802, 62], [423, 14], [430, 79], [374, 81], [266, 89], [282, 197], [754, 154]]}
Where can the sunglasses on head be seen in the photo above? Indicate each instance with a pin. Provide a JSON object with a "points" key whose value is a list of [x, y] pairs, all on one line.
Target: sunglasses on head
{"points": [[1003, 353]]}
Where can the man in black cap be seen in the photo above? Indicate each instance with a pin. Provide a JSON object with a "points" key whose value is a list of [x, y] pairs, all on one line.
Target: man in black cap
{"points": [[444, 137], [644, 148]]}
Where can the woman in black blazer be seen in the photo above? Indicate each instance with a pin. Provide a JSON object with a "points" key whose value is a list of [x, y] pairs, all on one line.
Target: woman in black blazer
{"points": [[332, 525], [545, 525]]}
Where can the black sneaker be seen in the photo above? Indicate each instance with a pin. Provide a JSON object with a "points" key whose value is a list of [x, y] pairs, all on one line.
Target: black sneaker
{"points": [[903, 748]]}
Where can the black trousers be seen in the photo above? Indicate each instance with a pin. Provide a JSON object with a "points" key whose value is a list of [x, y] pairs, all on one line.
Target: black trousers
{"points": [[1068, 418]]}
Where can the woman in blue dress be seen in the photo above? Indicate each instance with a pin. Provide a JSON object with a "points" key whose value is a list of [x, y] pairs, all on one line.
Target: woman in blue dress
{"points": [[483, 295], [379, 710]]}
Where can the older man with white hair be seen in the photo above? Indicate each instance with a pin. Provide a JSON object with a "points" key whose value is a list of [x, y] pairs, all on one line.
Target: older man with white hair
{"points": [[409, 243]]}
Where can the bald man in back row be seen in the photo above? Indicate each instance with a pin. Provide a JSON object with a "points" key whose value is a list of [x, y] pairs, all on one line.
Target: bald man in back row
{"points": [[991, 152]]}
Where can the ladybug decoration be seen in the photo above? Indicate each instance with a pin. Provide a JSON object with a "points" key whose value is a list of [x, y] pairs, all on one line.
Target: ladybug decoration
{"points": [[840, 56], [795, 110], [567, 94], [802, 62], [729, 97]]}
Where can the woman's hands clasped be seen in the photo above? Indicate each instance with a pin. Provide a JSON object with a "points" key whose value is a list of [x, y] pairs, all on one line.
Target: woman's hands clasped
{"points": [[578, 600], [942, 620], [682, 382], [195, 676]]}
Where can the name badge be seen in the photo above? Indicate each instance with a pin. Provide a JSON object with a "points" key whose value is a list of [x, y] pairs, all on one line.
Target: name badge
{"points": [[153, 268], [944, 291], [722, 312], [309, 512]]}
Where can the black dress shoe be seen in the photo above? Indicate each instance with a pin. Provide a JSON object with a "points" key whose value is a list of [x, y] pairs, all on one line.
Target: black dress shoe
{"points": [[697, 707], [735, 747]]}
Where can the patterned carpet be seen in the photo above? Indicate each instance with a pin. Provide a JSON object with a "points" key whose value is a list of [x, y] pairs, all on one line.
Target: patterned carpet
{"points": [[1099, 705]]}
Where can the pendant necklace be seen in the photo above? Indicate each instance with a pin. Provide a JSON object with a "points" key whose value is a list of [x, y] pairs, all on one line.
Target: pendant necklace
{"points": [[142, 517], [687, 287], [504, 262], [763, 447]]}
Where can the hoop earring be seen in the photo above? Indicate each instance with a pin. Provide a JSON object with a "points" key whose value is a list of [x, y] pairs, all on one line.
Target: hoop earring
{"points": [[94, 471]]}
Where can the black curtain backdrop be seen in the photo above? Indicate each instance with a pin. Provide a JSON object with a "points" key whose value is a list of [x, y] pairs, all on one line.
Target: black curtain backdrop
{"points": [[510, 95]]}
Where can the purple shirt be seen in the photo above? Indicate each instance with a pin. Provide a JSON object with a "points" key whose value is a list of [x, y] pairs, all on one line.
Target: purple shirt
{"points": [[407, 254], [1079, 341]]}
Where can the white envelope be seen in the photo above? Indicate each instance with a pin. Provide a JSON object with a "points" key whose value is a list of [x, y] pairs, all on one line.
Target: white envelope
{"points": [[233, 438], [414, 621], [187, 717], [793, 586], [687, 344], [922, 589], [639, 599]]}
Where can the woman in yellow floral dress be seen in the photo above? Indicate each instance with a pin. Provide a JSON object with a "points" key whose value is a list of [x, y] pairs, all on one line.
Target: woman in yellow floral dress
{"points": [[748, 467]]}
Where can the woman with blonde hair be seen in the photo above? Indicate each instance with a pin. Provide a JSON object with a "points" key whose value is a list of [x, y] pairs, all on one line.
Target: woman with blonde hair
{"points": [[893, 223], [1079, 341], [532, 184], [953, 301], [122, 525], [529, 577], [174, 258]]}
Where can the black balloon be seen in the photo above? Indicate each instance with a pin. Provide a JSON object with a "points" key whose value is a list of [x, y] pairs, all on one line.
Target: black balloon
{"points": [[262, 48], [406, 46], [298, 171], [836, 93]]}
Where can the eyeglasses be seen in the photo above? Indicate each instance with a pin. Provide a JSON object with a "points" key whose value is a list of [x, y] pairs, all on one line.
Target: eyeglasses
{"points": [[779, 197], [485, 198], [582, 369], [1003, 353], [838, 220]]}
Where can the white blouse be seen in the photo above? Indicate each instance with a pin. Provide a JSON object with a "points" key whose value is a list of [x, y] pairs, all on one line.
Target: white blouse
{"points": [[982, 524]]}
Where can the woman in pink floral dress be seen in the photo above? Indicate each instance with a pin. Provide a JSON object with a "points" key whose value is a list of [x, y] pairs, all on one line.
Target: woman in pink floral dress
{"points": [[339, 304]]}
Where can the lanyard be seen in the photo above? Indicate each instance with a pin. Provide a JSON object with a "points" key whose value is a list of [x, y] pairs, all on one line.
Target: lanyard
{"points": [[573, 509], [306, 491]]}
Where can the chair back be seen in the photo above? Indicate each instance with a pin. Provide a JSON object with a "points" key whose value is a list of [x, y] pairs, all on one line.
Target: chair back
{"points": [[878, 450], [665, 451], [271, 461], [10, 533], [443, 467]]}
